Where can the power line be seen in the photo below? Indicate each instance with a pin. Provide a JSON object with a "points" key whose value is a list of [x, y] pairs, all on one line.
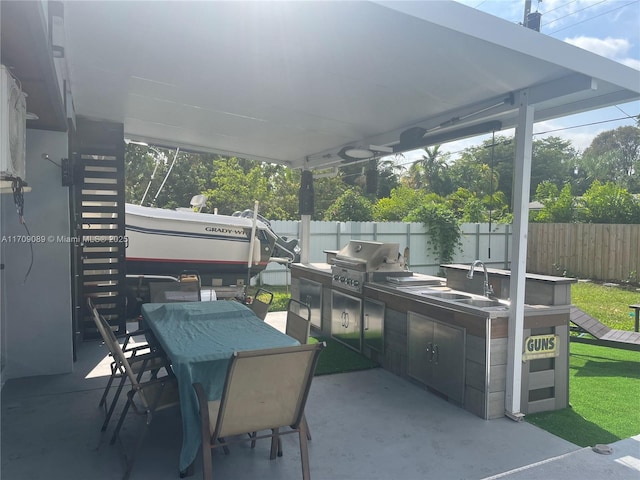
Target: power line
{"points": [[573, 13], [595, 16], [626, 117], [558, 7]]}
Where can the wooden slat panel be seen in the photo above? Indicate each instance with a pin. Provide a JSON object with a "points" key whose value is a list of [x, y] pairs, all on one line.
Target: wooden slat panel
{"points": [[541, 379], [100, 209], [541, 406], [99, 221], [99, 174], [90, 254], [98, 196]]}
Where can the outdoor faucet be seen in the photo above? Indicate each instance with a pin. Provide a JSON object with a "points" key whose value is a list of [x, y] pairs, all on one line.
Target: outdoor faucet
{"points": [[488, 289]]}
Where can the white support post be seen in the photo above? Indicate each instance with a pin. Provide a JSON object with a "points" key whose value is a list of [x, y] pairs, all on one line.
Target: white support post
{"points": [[305, 237], [521, 191]]}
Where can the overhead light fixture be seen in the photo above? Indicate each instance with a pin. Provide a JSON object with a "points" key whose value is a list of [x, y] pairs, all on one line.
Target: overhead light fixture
{"points": [[381, 148], [413, 140], [352, 154]]}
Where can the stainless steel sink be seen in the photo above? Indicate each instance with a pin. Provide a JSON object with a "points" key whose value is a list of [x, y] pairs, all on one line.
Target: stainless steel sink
{"points": [[482, 302], [446, 295]]}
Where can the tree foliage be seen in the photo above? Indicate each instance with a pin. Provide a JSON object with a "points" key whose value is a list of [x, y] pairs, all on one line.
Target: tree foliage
{"points": [[476, 187], [431, 172], [350, 206], [609, 203], [442, 227], [402, 201], [189, 176], [614, 155], [558, 205]]}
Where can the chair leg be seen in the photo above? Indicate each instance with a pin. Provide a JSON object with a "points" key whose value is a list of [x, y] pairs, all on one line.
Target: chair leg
{"points": [[224, 447], [131, 461], [103, 400], [112, 407], [207, 461], [304, 452], [306, 426], [275, 444], [120, 422]]}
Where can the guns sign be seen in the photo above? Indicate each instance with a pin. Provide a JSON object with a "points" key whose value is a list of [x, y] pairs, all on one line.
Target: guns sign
{"points": [[541, 346]]}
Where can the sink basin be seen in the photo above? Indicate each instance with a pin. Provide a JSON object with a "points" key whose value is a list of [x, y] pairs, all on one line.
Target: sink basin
{"points": [[482, 302], [446, 295], [414, 281]]}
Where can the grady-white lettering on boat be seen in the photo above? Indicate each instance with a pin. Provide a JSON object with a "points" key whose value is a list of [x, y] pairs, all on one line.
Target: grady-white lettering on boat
{"points": [[166, 242]]}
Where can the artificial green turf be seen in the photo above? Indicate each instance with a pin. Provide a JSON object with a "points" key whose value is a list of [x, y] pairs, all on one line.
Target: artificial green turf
{"points": [[604, 392], [336, 358]]}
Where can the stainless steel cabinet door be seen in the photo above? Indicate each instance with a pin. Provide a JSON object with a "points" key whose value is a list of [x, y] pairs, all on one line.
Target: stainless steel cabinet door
{"points": [[345, 319], [420, 346], [373, 324], [448, 360], [436, 355], [311, 294]]}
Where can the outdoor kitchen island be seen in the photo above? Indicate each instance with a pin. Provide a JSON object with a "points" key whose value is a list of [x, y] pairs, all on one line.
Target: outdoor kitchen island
{"points": [[441, 334]]}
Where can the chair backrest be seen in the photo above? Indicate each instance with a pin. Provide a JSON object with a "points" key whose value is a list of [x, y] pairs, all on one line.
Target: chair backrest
{"points": [[112, 344], [261, 303], [266, 389], [169, 292], [298, 320]]}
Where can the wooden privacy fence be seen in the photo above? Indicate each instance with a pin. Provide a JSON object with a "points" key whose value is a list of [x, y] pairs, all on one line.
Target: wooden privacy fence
{"points": [[585, 250]]}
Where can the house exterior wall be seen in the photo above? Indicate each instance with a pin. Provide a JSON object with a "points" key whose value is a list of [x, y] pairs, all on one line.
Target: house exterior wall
{"points": [[36, 312]]}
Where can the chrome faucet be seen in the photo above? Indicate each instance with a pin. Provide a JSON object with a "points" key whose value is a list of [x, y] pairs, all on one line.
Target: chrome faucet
{"points": [[488, 289]]}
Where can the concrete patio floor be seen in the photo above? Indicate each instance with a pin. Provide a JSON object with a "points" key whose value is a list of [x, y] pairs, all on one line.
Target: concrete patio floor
{"points": [[368, 425]]}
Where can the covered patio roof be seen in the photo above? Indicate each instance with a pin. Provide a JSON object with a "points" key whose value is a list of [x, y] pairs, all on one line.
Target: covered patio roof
{"points": [[295, 82]]}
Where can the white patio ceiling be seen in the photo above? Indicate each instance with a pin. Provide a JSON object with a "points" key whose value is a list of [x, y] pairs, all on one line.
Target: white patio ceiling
{"points": [[295, 82]]}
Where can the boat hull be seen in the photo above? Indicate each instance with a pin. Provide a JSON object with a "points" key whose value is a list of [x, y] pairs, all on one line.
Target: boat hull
{"points": [[166, 242]]}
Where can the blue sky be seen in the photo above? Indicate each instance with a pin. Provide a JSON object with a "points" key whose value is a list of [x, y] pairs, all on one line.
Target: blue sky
{"points": [[610, 28]]}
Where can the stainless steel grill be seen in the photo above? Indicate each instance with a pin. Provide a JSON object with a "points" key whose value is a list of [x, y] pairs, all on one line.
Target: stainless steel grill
{"points": [[363, 261]]}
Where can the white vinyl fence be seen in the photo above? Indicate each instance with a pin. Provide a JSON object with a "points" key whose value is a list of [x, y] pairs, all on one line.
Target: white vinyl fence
{"points": [[478, 242]]}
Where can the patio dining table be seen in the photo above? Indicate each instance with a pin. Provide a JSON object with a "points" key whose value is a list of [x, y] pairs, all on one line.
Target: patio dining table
{"points": [[199, 338]]}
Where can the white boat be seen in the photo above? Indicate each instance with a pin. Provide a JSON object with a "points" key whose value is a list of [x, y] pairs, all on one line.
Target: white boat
{"points": [[218, 247]]}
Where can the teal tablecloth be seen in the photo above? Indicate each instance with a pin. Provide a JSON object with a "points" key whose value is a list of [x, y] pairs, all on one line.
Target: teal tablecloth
{"points": [[199, 338]]}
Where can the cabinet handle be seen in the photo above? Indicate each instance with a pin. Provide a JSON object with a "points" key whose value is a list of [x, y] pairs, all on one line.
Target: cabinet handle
{"points": [[429, 352], [366, 321], [436, 352], [346, 316], [342, 318]]}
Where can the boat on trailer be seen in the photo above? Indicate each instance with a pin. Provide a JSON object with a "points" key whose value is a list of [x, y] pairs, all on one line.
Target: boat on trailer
{"points": [[223, 249]]}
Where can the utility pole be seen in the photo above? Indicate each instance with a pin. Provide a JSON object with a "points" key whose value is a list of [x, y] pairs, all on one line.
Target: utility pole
{"points": [[527, 11], [531, 20]]}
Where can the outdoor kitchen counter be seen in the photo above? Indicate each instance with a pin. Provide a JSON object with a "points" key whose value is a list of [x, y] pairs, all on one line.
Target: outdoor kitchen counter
{"points": [[428, 295], [539, 289], [484, 337], [477, 361]]}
